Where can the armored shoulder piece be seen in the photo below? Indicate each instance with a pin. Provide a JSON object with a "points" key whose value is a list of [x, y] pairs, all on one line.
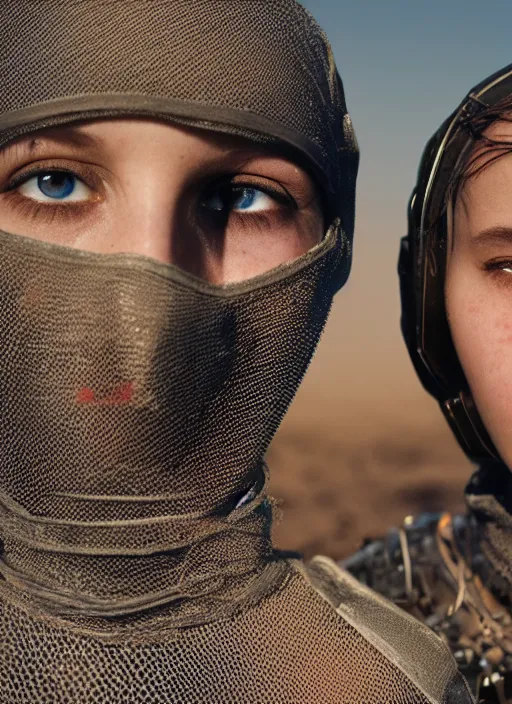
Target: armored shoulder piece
{"points": [[432, 567]]}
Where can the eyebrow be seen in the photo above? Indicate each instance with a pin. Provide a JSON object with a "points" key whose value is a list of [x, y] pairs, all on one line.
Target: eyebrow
{"points": [[493, 236], [73, 137]]}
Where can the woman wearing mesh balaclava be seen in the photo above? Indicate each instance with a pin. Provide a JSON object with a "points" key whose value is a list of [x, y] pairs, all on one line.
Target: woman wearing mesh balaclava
{"points": [[179, 178], [455, 573]]}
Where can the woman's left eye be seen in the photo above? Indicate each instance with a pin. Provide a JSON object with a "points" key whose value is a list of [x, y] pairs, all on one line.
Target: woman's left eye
{"points": [[55, 186], [241, 199]]}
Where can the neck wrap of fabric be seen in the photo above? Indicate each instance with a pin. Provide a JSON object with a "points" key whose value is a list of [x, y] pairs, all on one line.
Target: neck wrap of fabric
{"points": [[137, 403], [489, 497]]}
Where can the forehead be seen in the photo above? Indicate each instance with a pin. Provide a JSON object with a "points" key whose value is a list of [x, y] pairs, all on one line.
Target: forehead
{"points": [[104, 135], [87, 133], [488, 182], [501, 130]]}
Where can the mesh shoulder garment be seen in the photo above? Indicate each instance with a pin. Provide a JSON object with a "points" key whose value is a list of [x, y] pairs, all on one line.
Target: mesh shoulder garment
{"points": [[137, 401], [320, 637]]}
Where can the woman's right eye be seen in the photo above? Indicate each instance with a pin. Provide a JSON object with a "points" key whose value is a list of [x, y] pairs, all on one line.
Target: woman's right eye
{"points": [[55, 187]]}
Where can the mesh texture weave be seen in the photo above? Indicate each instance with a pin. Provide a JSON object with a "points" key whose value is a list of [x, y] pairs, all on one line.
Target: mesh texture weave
{"points": [[118, 440], [292, 647]]}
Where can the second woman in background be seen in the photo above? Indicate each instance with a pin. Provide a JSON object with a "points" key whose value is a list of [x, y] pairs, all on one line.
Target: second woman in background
{"points": [[455, 572]]}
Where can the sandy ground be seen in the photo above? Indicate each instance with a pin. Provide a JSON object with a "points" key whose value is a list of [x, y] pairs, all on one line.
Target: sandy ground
{"points": [[335, 488]]}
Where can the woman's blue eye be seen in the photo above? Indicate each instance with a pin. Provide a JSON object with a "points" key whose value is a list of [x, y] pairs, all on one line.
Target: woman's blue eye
{"points": [[56, 184], [51, 186], [232, 198], [247, 198]]}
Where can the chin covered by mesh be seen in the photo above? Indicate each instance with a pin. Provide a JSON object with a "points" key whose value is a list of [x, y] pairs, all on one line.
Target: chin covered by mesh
{"points": [[137, 403], [121, 377]]}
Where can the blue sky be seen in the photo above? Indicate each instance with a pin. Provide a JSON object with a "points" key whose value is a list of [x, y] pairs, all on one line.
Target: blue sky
{"points": [[405, 66]]}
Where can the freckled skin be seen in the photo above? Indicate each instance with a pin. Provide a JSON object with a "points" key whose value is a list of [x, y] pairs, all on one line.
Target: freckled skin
{"points": [[479, 300], [148, 179]]}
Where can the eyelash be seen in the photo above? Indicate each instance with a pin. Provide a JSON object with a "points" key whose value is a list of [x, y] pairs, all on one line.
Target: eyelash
{"points": [[49, 212], [496, 270], [45, 212], [260, 220], [497, 265]]}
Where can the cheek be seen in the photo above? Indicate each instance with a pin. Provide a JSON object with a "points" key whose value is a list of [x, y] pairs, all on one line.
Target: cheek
{"points": [[246, 253], [480, 315], [243, 258]]}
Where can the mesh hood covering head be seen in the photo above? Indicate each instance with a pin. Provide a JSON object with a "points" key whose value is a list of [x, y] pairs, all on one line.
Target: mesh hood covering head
{"points": [[160, 393], [153, 395], [137, 401], [261, 69]]}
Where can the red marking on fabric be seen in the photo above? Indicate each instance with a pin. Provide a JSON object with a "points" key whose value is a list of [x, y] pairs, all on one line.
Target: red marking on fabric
{"points": [[123, 394], [85, 395], [120, 395]]}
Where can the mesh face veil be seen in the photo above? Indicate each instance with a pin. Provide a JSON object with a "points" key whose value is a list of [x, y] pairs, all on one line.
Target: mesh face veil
{"points": [[151, 395], [422, 269], [137, 401]]}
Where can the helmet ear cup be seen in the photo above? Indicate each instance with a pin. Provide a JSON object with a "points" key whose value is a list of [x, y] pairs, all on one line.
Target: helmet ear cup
{"points": [[457, 404], [410, 266], [467, 426], [408, 319]]}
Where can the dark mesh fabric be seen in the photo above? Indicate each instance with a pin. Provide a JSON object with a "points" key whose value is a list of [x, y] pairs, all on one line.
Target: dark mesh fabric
{"points": [[137, 402], [489, 497], [117, 440], [292, 647], [125, 579], [96, 393]]}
